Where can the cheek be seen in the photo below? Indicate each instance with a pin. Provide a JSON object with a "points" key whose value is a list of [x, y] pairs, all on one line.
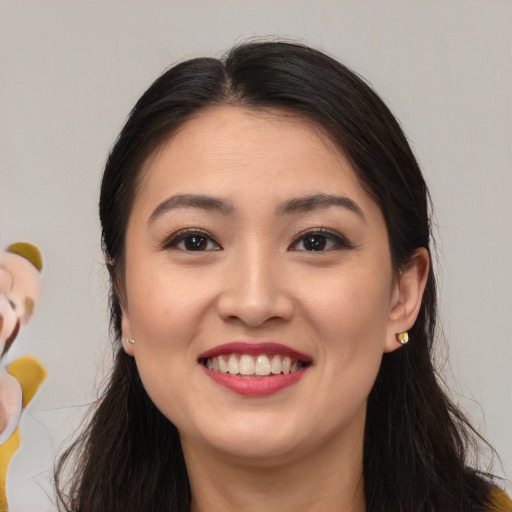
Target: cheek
{"points": [[163, 315], [351, 321], [166, 314], [351, 308], [158, 297], [162, 335]]}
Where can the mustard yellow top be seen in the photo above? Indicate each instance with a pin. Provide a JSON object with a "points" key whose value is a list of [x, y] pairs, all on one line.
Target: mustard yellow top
{"points": [[499, 501]]}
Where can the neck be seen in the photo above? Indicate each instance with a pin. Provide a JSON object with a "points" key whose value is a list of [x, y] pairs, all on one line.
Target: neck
{"points": [[328, 479]]}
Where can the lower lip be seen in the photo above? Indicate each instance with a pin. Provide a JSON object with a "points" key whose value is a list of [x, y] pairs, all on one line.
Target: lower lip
{"points": [[255, 386]]}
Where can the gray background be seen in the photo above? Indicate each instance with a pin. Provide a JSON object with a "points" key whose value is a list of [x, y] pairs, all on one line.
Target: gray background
{"points": [[71, 71]]}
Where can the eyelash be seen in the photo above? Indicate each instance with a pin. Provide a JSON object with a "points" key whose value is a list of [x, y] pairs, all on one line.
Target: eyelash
{"points": [[337, 241], [188, 233]]}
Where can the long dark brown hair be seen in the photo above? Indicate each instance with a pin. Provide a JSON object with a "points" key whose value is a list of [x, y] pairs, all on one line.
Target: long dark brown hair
{"points": [[416, 440]]}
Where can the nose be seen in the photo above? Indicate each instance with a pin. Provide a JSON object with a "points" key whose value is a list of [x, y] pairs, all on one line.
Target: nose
{"points": [[254, 292]]}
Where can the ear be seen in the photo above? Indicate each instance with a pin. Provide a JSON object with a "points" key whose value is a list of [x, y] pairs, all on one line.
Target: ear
{"points": [[407, 296], [126, 332]]}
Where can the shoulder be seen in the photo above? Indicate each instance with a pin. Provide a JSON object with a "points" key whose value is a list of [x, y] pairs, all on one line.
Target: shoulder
{"points": [[499, 501]]}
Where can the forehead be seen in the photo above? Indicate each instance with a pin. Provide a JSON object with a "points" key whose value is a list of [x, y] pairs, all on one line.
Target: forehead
{"points": [[225, 146]]}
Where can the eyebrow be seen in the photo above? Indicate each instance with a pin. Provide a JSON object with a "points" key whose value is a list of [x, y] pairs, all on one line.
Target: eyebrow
{"points": [[190, 201], [290, 207], [318, 201]]}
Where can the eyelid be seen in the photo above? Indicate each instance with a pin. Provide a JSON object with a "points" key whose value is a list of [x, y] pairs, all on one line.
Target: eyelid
{"points": [[340, 240], [176, 237]]}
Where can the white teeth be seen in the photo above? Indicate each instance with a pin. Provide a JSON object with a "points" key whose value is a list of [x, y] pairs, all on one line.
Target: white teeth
{"points": [[275, 365], [262, 366], [223, 364], [246, 365], [287, 362], [233, 365]]}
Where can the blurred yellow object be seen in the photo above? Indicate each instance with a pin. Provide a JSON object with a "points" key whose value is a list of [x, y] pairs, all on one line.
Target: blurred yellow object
{"points": [[30, 374], [29, 251], [6, 452]]}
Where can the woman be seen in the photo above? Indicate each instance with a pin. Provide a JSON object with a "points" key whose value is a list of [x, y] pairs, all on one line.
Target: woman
{"points": [[266, 230]]}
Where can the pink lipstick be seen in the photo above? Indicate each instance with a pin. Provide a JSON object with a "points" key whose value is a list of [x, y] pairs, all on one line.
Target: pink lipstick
{"points": [[254, 369]]}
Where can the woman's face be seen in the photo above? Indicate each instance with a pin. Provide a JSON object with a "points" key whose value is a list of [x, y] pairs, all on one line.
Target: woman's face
{"points": [[259, 286]]}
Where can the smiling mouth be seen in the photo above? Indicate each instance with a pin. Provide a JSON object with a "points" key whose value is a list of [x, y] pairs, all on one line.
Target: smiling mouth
{"points": [[262, 365]]}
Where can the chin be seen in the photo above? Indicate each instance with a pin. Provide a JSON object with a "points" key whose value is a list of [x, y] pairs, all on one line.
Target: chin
{"points": [[256, 450], [257, 440]]}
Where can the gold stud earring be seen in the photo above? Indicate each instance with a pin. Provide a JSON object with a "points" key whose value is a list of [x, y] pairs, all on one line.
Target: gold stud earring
{"points": [[403, 337]]}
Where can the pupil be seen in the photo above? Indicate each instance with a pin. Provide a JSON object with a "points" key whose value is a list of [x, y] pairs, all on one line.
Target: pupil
{"points": [[314, 243], [195, 243]]}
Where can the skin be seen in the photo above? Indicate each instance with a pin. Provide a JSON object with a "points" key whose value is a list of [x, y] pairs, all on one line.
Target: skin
{"points": [[256, 280]]}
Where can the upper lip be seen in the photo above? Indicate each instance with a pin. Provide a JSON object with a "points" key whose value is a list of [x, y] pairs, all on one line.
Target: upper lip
{"points": [[254, 349]]}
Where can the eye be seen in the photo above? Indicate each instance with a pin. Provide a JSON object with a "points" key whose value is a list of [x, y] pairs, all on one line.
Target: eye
{"points": [[319, 240], [192, 240]]}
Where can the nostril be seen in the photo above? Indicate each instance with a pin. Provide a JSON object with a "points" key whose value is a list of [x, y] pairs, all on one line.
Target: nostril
{"points": [[255, 311]]}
